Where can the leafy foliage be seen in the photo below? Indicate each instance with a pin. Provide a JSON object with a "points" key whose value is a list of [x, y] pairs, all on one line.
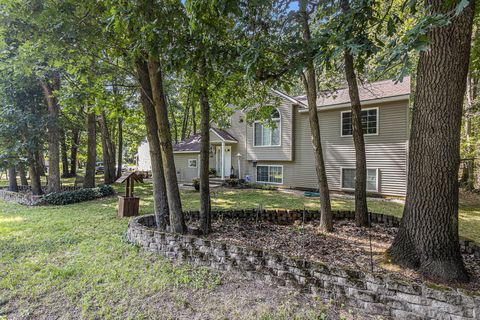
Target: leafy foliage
{"points": [[69, 197]]}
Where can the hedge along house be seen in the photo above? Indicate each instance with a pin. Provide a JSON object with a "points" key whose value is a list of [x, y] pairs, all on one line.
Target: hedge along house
{"points": [[282, 154]]}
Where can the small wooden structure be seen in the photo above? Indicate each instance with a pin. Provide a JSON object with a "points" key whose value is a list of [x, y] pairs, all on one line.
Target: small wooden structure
{"points": [[128, 205]]}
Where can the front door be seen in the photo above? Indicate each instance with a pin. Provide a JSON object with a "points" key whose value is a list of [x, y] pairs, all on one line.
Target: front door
{"points": [[228, 161], [227, 158]]}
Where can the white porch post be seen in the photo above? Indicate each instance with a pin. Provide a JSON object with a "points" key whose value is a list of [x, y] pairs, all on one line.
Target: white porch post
{"points": [[198, 166], [239, 171], [223, 161]]}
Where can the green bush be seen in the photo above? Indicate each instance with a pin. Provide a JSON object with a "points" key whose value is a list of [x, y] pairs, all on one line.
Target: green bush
{"points": [[261, 186], [67, 197]]}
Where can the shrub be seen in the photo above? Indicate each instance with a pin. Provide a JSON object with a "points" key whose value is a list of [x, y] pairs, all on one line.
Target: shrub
{"points": [[68, 197], [196, 183], [261, 186], [212, 171]]}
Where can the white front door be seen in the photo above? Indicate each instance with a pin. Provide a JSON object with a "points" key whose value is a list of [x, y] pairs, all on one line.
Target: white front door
{"points": [[228, 161], [227, 158]]}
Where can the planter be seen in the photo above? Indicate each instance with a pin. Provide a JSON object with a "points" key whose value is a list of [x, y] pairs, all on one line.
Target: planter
{"points": [[128, 206]]}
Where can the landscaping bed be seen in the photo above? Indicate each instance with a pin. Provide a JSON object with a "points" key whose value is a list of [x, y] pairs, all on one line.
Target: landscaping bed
{"points": [[347, 246]]}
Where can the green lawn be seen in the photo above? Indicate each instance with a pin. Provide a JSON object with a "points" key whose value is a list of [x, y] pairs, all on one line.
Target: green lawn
{"points": [[74, 259]]}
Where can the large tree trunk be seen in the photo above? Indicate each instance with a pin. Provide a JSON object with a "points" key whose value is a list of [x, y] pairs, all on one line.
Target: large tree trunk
{"points": [[108, 151], [361, 209], [428, 236], [74, 152], [177, 221], [52, 135], [205, 214], [326, 218], [63, 151], [185, 118], [34, 173], [468, 173], [173, 120], [23, 175], [89, 180], [120, 147], [12, 179], [194, 121], [160, 200]]}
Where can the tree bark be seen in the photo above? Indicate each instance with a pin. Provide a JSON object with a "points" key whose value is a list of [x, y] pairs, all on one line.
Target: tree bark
{"points": [[185, 118], [52, 134], [34, 173], [159, 189], [173, 121], [120, 147], [89, 180], [309, 81], [74, 152], [63, 151], [205, 213], [23, 175], [177, 221], [194, 121], [361, 209], [12, 179], [428, 236], [108, 151]]}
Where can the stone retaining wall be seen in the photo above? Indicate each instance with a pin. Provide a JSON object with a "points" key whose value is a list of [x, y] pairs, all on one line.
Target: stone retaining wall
{"points": [[376, 294], [19, 197], [24, 196]]}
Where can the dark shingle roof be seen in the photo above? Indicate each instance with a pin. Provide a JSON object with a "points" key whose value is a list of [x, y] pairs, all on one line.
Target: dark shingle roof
{"points": [[368, 92], [224, 134], [192, 144]]}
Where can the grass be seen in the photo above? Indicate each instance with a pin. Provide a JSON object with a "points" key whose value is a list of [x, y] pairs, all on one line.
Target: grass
{"points": [[74, 259]]}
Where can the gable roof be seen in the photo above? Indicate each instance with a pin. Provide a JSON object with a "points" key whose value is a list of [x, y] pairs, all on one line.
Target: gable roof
{"points": [[374, 92], [192, 144], [224, 135]]}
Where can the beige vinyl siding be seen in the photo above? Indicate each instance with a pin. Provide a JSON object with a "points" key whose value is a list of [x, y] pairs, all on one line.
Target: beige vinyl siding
{"points": [[284, 152], [184, 173], [386, 151]]}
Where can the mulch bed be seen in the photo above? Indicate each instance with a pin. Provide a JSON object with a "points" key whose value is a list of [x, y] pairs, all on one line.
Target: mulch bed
{"points": [[347, 246]]}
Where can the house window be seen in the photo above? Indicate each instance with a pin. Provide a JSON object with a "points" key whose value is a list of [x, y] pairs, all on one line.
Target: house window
{"points": [[267, 136], [369, 122], [348, 179], [270, 174], [192, 163]]}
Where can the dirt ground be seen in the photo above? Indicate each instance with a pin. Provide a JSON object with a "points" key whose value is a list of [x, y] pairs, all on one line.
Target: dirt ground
{"points": [[350, 246]]}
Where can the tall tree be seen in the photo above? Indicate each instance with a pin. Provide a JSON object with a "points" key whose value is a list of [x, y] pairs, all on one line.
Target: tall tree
{"points": [[12, 179], [120, 147], [49, 86], [159, 189], [108, 150], [177, 222], [310, 84], [89, 180], [361, 209], [74, 151], [428, 236]]}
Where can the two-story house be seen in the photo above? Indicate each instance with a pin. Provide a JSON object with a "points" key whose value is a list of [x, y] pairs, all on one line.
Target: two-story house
{"points": [[283, 155]]}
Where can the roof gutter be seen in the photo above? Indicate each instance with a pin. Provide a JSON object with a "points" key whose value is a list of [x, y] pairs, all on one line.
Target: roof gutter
{"points": [[289, 98], [363, 103]]}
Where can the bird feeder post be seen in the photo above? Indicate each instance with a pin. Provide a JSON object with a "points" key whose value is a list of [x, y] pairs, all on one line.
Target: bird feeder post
{"points": [[128, 205]]}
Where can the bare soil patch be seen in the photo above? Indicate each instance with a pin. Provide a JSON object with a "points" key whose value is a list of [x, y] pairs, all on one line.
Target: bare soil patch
{"points": [[348, 246]]}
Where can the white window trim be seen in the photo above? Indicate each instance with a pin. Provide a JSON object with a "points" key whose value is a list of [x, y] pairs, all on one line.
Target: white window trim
{"points": [[190, 166], [268, 165], [280, 134], [365, 134], [353, 189]]}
